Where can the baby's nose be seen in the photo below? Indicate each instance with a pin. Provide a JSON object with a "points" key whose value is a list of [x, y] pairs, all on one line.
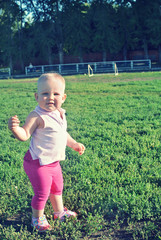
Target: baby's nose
{"points": [[51, 96]]}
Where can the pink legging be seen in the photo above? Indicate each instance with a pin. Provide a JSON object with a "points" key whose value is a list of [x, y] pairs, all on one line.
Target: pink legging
{"points": [[45, 180]]}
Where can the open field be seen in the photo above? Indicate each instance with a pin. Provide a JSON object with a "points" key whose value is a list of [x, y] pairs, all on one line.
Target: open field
{"points": [[115, 187]]}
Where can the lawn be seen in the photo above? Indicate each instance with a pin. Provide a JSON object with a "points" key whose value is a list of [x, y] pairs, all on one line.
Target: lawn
{"points": [[115, 187]]}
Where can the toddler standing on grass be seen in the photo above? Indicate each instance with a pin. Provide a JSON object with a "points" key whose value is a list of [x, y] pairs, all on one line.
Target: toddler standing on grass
{"points": [[48, 127]]}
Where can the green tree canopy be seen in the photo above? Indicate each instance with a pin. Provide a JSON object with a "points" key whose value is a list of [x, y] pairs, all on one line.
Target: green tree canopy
{"points": [[38, 30]]}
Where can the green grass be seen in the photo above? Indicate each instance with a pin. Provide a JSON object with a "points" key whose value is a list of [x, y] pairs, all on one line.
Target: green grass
{"points": [[116, 185]]}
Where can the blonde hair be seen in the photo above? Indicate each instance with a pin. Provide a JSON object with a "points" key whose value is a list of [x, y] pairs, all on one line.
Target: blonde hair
{"points": [[55, 76], [47, 76]]}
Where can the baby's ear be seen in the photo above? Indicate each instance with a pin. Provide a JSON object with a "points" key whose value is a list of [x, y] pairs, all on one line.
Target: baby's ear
{"points": [[36, 96], [64, 97]]}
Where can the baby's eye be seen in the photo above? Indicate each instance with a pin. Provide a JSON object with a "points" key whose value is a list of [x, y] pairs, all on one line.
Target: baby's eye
{"points": [[45, 93], [56, 94]]}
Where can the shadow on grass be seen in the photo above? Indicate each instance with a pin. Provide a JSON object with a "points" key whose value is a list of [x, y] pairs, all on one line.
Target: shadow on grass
{"points": [[17, 221], [115, 231], [22, 220]]}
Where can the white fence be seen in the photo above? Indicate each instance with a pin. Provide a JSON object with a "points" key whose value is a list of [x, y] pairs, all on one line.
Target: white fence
{"points": [[98, 67], [5, 72]]}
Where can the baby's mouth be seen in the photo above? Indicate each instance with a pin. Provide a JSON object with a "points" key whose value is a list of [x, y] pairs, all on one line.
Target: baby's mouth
{"points": [[50, 103]]}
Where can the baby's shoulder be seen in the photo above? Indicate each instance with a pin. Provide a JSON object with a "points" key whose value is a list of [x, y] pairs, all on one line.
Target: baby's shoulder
{"points": [[33, 114], [36, 117]]}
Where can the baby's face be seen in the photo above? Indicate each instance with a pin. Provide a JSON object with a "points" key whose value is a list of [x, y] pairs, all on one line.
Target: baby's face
{"points": [[50, 94]]}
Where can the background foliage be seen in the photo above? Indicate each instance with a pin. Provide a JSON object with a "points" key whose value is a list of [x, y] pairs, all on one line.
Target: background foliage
{"points": [[115, 185], [38, 31]]}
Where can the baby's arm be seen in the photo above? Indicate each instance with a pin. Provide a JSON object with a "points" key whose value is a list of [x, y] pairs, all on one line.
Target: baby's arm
{"points": [[23, 133], [79, 147]]}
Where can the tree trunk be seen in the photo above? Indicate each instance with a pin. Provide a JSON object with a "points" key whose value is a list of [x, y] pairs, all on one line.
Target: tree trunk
{"points": [[49, 56], [104, 54], [21, 39], [61, 55], [10, 46], [159, 50], [80, 59], [11, 64], [145, 45], [59, 33], [80, 55], [125, 52], [20, 50]]}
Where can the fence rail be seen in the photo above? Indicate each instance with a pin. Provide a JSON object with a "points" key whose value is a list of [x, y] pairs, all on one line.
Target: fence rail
{"points": [[5, 72], [98, 67]]}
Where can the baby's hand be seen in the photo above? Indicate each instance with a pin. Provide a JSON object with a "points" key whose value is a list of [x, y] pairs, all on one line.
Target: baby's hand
{"points": [[79, 147], [13, 122]]}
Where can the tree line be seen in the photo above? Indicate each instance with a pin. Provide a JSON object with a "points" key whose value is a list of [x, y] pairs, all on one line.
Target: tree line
{"points": [[39, 30]]}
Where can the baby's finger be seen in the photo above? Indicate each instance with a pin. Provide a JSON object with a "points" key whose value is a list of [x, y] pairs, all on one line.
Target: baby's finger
{"points": [[13, 122], [83, 147], [15, 119]]}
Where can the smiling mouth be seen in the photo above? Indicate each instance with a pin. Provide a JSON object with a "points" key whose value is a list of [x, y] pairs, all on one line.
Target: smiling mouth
{"points": [[50, 103]]}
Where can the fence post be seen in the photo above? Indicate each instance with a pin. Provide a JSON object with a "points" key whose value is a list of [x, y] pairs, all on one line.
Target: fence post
{"points": [[132, 65], [113, 64], [77, 67], [149, 63], [60, 68], [9, 70], [95, 67], [26, 70]]}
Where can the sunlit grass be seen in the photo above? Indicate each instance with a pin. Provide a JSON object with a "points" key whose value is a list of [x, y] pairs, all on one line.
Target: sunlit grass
{"points": [[116, 184]]}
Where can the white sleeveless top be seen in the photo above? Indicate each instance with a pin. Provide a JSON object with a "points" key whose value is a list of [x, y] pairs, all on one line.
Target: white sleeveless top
{"points": [[48, 144]]}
